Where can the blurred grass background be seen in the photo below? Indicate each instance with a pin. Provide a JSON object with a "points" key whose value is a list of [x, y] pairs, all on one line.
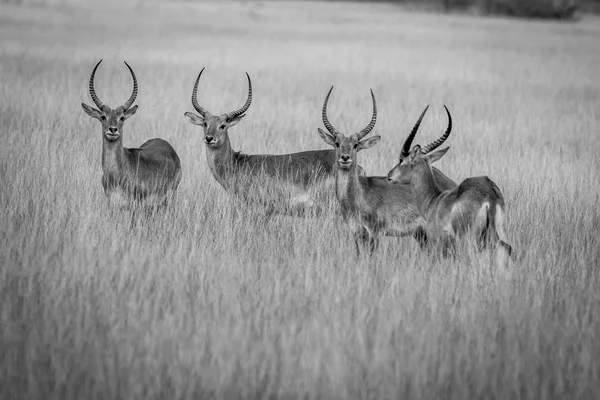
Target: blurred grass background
{"points": [[209, 299]]}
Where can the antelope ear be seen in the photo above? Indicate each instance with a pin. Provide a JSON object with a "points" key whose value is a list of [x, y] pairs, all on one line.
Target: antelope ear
{"points": [[234, 121], [92, 112], [370, 142], [130, 111], [195, 119], [326, 136], [436, 155]]}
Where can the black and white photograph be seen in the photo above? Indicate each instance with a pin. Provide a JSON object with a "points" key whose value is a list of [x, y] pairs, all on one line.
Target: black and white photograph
{"points": [[299, 199]]}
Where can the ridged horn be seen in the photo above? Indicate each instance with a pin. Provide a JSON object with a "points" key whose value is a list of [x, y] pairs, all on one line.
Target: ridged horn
{"points": [[233, 114], [93, 95], [197, 106], [371, 125], [434, 145], [411, 137], [326, 122], [134, 93]]}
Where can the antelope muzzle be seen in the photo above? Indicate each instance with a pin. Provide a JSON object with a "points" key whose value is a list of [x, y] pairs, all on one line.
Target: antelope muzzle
{"points": [[345, 161], [210, 140], [112, 133]]}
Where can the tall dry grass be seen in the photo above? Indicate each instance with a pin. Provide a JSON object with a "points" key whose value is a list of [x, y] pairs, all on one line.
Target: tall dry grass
{"points": [[209, 299]]}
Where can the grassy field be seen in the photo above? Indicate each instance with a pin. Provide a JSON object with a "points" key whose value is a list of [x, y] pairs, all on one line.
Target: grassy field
{"points": [[210, 300]]}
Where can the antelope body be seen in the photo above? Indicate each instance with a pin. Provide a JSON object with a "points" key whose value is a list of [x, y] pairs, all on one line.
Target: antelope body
{"points": [[475, 207], [151, 171], [282, 183], [371, 205]]}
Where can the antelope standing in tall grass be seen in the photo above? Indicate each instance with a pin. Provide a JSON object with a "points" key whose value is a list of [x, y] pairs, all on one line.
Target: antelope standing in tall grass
{"points": [[372, 205], [282, 183], [151, 171], [475, 207]]}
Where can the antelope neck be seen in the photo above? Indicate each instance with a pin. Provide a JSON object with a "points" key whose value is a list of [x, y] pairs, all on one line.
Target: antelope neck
{"points": [[220, 161], [347, 185], [113, 156], [425, 187]]}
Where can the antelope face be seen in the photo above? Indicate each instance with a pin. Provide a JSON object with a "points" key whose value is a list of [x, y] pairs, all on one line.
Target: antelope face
{"points": [[418, 157], [415, 161], [402, 172], [215, 127], [346, 148], [111, 120]]}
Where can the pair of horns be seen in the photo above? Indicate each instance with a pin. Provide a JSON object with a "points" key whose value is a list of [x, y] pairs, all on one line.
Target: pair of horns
{"points": [[230, 115], [431, 146], [97, 101], [334, 131]]}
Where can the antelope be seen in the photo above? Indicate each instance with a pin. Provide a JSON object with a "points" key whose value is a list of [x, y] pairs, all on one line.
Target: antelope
{"points": [[303, 181], [151, 171], [475, 207], [371, 205]]}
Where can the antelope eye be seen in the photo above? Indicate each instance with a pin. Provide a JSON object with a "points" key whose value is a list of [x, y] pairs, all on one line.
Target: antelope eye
{"points": [[355, 145], [222, 127], [337, 144], [122, 119], [103, 117]]}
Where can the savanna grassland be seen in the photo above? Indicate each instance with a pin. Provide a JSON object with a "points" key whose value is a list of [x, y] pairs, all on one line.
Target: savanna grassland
{"points": [[210, 299]]}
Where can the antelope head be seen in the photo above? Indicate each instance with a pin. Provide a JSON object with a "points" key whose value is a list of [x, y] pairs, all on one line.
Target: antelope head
{"points": [[216, 126], [419, 157], [347, 147], [111, 119]]}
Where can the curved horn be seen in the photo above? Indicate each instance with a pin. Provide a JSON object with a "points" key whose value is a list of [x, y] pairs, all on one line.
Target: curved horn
{"points": [[442, 139], [326, 122], [129, 102], [371, 125], [92, 90], [233, 114], [410, 138], [197, 106]]}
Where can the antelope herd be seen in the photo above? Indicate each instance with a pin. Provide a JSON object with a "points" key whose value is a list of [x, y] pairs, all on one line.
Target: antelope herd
{"points": [[414, 199]]}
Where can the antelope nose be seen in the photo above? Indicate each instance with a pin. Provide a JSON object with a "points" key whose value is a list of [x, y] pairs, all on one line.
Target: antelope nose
{"points": [[209, 138], [112, 129], [345, 157]]}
